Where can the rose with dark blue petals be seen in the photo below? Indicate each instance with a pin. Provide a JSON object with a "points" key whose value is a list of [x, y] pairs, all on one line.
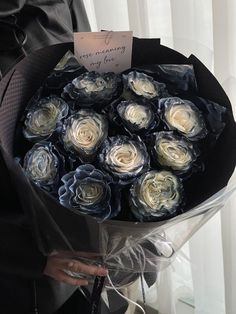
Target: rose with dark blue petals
{"points": [[92, 87], [44, 117], [183, 116], [44, 165], [137, 117], [124, 158], [90, 191], [174, 152], [143, 85], [83, 133], [156, 195]]}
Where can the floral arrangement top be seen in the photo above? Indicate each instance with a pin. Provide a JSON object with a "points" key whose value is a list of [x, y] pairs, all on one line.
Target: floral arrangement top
{"points": [[120, 146]]}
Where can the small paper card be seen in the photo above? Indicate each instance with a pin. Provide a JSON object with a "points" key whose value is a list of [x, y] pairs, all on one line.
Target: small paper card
{"points": [[104, 51]]}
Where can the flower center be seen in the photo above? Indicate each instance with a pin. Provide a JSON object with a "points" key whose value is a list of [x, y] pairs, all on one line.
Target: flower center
{"points": [[144, 87], [89, 193], [137, 114], [92, 86], [43, 120], [41, 165], [182, 117], [85, 133], [125, 157], [158, 190], [172, 154]]}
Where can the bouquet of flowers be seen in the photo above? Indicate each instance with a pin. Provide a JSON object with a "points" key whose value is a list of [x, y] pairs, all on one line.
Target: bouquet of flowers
{"points": [[119, 169]]}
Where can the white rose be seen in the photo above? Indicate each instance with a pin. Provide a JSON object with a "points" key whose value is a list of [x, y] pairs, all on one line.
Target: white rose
{"points": [[158, 190], [125, 158], [90, 86], [40, 164], [85, 131], [43, 120], [185, 117], [138, 115], [172, 154]]}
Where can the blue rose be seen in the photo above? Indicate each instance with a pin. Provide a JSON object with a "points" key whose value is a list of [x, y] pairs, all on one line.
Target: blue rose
{"points": [[44, 117], [90, 191], [156, 195], [44, 165], [92, 87], [124, 158]]}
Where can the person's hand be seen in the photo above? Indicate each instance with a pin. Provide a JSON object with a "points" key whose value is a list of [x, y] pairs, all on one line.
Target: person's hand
{"points": [[56, 265]]}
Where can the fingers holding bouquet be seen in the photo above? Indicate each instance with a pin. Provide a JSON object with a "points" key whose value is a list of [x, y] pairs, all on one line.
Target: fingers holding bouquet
{"points": [[62, 268]]}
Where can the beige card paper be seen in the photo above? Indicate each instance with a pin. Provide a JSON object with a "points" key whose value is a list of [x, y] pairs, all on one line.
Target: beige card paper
{"points": [[104, 51]]}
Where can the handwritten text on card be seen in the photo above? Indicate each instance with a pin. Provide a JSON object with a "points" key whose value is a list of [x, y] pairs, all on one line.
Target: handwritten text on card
{"points": [[104, 51]]}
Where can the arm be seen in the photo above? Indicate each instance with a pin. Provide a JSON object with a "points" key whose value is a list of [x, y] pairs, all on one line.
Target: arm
{"points": [[11, 35], [18, 251]]}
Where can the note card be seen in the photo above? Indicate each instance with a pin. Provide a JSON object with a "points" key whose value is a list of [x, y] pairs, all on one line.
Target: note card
{"points": [[104, 51]]}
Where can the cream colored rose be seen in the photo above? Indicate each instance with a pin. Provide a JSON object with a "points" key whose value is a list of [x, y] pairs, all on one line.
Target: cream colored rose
{"points": [[41, 165], [90, 86], [172, 154], [159, 189], [89, 193], [125, 158], [144, 87], [138, 114], [183, 118], [85, 132], [43, 120]]}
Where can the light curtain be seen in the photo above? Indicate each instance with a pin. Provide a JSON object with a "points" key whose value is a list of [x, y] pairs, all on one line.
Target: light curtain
{"points": [[204, 274]]}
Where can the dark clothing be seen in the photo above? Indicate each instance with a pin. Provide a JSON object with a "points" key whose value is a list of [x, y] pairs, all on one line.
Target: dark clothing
{"points": [[27, 25], [44, 22]]}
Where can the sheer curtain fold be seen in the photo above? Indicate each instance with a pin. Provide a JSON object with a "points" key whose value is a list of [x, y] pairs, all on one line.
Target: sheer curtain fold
{"points": [[206, 277]]}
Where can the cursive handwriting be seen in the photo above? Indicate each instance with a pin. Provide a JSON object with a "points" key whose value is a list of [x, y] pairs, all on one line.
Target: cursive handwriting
{"points": [[120, 49]]}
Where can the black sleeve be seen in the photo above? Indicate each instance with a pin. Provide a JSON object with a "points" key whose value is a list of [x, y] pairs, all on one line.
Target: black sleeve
{"points": [[19, 253], [9, 7], [12, 37]]}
